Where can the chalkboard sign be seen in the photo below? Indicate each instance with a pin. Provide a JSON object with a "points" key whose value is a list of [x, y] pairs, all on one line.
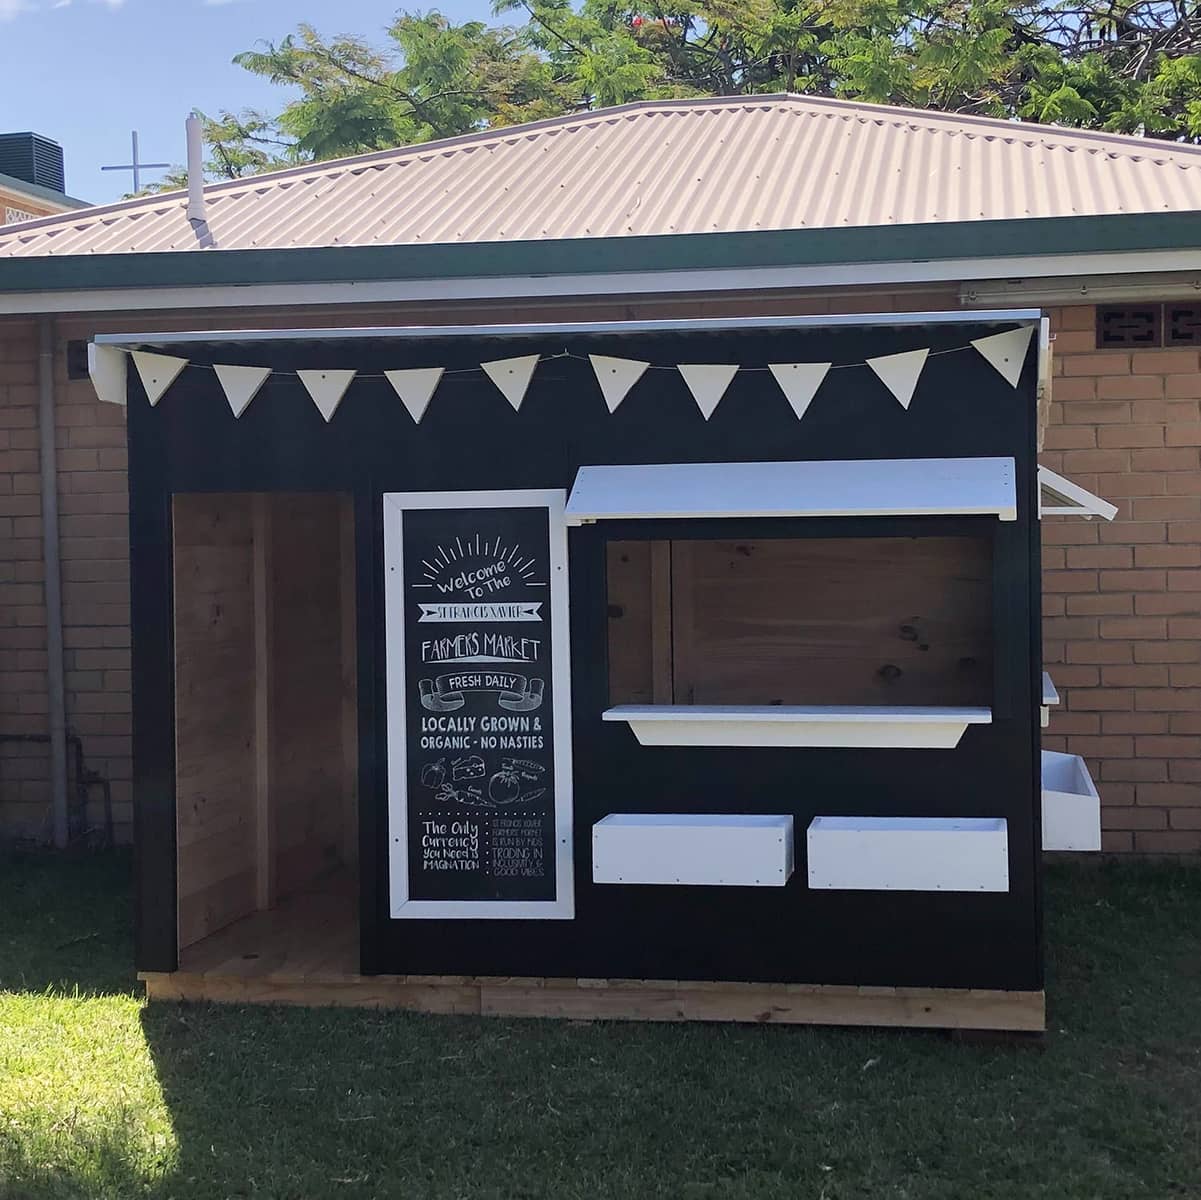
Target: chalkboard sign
{"points": [[479, 740]]}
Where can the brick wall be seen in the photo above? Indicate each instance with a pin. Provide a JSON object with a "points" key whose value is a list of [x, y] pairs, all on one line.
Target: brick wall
{"points": [[1122, 600], [24, 773]]}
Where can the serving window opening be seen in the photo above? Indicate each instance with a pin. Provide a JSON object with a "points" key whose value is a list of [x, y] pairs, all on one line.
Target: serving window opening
{"points": [[829, 621]]}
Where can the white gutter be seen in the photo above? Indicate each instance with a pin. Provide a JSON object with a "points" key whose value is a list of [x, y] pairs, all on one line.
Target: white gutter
{"points": [[633, 283], [1085, 289]]}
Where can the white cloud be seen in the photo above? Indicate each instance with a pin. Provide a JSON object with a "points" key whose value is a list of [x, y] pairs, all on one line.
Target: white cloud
{"points": [[14, 8]]}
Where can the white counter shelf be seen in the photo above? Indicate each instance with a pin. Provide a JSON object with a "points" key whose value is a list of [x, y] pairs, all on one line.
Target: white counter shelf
{"points": [[872, 726]]}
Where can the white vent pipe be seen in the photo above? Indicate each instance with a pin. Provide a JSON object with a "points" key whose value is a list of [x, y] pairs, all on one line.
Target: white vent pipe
{"points": [[196, 209]]}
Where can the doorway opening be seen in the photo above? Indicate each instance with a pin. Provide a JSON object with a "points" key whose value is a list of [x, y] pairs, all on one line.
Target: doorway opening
{"points": [[266, 733]]}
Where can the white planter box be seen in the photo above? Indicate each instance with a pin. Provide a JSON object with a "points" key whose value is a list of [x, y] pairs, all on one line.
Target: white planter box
{"points": [[719, 850], [1071, 806], [875, 726], [909, 854]]}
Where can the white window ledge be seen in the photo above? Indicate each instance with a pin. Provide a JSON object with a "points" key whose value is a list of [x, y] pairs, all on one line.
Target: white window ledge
{"points": [[879, 727]]}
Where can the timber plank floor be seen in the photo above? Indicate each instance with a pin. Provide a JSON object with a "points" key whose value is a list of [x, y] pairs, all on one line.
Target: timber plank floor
{"points": [[314, 934], [305, 952]]}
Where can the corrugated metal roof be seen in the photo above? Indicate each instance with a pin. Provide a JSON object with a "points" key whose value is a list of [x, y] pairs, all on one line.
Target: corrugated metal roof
{"points": [[696, 166]]}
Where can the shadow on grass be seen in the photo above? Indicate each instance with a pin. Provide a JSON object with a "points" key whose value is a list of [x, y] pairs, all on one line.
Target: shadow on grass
{"points": [[66, 923]]}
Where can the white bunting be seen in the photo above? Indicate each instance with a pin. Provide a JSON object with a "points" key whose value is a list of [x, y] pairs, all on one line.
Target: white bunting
{"points": [[899, 372], [415, 387], [157, 372], [327, 388], [799, 382], [109, 368], [512, 376], [616, 376], [241, 384], [707, 382], [1006, 351]]}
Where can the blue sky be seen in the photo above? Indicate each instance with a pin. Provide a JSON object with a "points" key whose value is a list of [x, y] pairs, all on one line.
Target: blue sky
{"points": [[87, 72]]}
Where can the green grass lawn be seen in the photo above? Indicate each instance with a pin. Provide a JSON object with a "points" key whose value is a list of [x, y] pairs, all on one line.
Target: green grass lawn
{"points": [[102, 1096]]}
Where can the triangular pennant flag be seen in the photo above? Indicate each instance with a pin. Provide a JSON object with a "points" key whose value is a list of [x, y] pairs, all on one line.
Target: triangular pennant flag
{"points": [[241, 384], [512, 376], [415, 387], [899, 372], [1006, 351], [616, 376], [157, 371], [707, 382], [799, 382], [109, 369], [327, 388]]}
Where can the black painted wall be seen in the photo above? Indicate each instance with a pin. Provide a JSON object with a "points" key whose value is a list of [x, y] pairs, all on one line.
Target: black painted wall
{"points": [[471, 439]]}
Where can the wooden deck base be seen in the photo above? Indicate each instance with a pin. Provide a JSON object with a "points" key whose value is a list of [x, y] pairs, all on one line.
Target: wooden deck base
{"points": [[627, 1000], [304, 952]]}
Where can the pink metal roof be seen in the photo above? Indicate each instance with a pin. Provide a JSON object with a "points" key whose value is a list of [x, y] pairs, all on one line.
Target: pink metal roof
{"points": [[690, 166]]}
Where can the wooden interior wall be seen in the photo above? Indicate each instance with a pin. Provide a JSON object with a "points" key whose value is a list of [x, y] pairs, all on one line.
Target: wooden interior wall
{"points": [[214, 712], [266, 726], [307, 768], [639, 599], [807, 621]]}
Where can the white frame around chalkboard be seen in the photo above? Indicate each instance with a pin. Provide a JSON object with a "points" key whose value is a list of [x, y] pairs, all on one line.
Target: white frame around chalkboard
{"points": [[562, 907]]}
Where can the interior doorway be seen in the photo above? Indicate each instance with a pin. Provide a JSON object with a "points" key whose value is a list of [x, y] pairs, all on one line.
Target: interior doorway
{"points": [[265, 728]]}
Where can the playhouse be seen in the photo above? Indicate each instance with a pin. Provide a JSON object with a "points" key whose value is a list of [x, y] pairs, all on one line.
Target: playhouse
{"points": [[664, 669]]}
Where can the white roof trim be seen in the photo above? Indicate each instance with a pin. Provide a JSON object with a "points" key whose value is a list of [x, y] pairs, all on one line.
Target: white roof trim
{"points": [[852, 488], [682, 325], [1060, 497], [749, 281]]}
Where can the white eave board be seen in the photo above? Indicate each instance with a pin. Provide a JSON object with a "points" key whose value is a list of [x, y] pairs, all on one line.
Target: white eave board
{"points": [[1060, 497], [889, 487], [874, 726], [342, 333]]}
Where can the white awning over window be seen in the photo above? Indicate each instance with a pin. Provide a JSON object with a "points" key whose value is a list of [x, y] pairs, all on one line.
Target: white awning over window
{"points": [[1060, 497], [889, 487]]}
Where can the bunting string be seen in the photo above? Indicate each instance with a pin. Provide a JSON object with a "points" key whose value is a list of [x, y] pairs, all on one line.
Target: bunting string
{"points": [[899, 374]]}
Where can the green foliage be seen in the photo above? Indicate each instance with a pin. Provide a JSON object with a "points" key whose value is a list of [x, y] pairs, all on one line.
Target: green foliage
{"points": [[1099, 64]]}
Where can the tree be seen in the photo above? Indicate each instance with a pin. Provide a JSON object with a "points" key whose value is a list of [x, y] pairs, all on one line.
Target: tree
{"points": [[1098, 64]]}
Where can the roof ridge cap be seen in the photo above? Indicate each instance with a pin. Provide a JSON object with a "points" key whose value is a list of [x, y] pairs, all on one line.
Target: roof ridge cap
{"points": [[1132, 144]]}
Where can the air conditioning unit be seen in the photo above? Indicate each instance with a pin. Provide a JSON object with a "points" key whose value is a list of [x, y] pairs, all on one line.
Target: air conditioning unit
{"points": [[32, 158]]}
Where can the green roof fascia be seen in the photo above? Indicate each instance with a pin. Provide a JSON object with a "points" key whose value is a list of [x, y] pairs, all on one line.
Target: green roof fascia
{"points": [[10, 183], [605, 256]]}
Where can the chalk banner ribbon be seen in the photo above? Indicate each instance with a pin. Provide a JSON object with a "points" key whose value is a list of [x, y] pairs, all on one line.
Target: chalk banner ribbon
{"points": [[520, 610], [515, 693]]}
